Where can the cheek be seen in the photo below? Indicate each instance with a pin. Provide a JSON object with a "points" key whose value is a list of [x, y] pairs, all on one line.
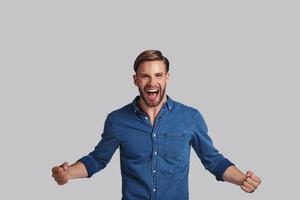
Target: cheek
{"points": [[140, 84], [162, 83]]}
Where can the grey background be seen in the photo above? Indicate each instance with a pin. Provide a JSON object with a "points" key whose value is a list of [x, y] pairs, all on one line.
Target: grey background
{"points": [[66, 64]]}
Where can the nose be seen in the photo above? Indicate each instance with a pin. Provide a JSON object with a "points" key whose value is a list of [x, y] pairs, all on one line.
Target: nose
{"points": [[152, 81]]}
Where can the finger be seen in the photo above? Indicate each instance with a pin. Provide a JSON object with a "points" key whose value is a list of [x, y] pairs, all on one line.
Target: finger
{"points": [[249, 173], [55, 175], [60, 176], [247, 185], [61, 179], [65, 165], [55, 169], [61, 182], [256, 178], [251, 182], [245, 189], [59, 173]]}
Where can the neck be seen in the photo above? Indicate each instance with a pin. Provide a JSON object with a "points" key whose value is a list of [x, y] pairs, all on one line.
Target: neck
{"points": [[152, 112]]}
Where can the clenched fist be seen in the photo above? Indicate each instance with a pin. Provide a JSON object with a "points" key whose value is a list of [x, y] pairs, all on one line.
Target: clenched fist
{"points": [[61, 173], [251, 182]]}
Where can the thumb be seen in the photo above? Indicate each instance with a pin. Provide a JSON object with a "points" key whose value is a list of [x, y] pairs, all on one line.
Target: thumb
{"points": [[249, 174], [65, 166]]}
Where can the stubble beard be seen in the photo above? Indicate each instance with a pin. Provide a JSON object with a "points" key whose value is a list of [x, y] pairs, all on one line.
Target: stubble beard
{"points": [[161, 95]]}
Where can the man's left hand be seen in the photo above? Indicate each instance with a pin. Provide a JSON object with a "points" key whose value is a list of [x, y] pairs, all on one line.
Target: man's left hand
{"points": [[251, 182]]}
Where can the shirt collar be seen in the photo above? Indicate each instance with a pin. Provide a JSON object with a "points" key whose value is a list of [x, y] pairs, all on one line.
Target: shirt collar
{"points": [[135, 108]]}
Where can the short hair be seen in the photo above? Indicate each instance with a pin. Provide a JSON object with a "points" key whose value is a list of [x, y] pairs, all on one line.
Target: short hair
{"points": [[150, 55]]}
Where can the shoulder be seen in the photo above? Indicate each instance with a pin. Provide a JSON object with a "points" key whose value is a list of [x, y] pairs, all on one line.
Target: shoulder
{"points": [[182, 107], [191, 113], [188, 111], [120, 113]]}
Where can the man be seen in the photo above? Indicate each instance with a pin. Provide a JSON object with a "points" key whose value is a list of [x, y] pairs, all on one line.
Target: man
{"points": [[154, 134]]}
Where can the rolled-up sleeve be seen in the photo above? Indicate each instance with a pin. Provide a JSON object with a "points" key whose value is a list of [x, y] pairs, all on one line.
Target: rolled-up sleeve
{"points": [[210, 157], [104, 150]]}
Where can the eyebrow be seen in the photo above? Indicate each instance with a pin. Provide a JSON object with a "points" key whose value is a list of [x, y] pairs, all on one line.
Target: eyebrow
{"points": [[145, 74], [160, 73]]}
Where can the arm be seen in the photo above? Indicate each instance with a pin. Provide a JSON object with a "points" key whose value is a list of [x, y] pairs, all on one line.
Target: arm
{"points": [[210, 157], [233, 175], [221, 167], [63, 173], [93, 162], [248, 182], [77, 170]]}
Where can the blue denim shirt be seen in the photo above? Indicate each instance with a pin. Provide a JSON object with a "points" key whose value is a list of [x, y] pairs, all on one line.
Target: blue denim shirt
{"points": [[155, 158]]}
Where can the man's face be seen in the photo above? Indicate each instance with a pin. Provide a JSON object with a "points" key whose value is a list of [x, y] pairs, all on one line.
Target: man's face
{"points": [[151, 79]]}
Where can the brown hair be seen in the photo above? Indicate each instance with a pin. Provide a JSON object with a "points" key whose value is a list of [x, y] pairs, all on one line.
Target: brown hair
{"points": [[150, 55]]}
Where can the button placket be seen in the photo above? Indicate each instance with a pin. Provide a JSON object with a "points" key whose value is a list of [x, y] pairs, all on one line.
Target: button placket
{"points": [[155, 155], [154, 163]]}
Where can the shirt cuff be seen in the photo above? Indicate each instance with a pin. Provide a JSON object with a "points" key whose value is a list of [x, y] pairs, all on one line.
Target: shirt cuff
{"points": [[89, 165], [220, 169]]}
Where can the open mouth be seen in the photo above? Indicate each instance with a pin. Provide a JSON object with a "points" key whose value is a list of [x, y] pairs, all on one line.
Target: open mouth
{"points": [[152, 93]]}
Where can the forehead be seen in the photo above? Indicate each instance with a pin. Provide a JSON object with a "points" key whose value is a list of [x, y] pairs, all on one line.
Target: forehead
{"points": [[156, 66]]}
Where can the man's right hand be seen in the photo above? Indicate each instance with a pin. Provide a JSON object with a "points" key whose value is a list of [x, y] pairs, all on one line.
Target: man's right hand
{"points": [[61, 173]]}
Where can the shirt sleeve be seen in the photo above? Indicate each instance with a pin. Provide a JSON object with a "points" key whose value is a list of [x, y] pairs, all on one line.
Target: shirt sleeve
{"points": [[104, 150], [210, 157]]}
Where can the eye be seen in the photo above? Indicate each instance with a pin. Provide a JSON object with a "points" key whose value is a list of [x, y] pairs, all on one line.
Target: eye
{"points": [[144, 77], [159, 76]]}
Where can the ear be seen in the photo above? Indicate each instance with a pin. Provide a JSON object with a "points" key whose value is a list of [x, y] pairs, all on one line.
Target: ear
{"points": [[135, 79], [167, 77]]}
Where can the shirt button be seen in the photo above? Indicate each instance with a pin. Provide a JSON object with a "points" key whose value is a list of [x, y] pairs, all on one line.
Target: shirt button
{"points": [[146, 118], [154, 190], [154, 171], [154, 135], [155, 153]]}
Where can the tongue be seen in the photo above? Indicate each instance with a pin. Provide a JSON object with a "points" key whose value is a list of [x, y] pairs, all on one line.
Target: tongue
{"points": [[152, 96]]}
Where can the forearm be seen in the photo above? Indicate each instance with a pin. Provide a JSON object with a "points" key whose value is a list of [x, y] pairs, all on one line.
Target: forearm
{"points": [[234, 175], [77, 170]]}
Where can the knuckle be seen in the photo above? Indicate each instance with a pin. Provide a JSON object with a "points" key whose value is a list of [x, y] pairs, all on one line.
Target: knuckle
{"points": [[54, 169]]}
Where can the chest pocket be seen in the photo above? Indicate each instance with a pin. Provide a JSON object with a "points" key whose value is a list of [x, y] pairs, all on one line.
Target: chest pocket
{"points": [[173, 145]]}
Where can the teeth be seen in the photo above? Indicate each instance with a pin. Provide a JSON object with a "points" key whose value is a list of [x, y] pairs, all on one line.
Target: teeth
{"points": [[152, 90]]}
